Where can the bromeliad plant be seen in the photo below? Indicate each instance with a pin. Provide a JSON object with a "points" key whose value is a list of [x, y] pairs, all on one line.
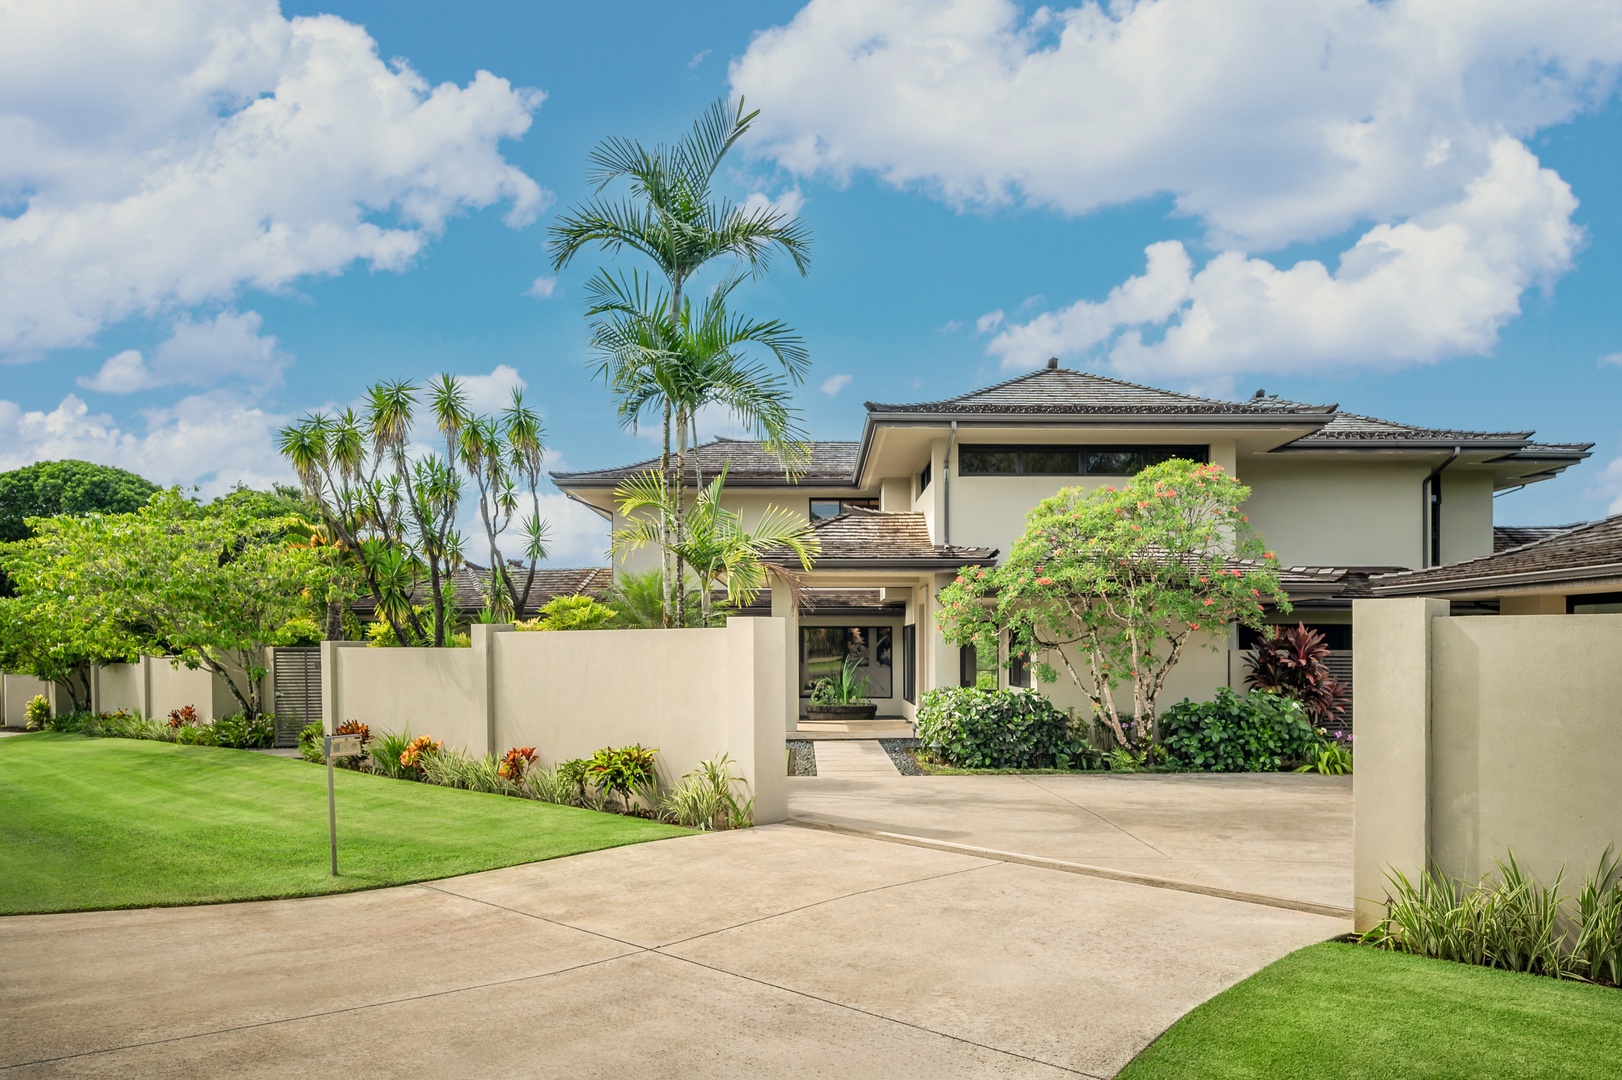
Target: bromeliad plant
{"points": [[1116, 583]]}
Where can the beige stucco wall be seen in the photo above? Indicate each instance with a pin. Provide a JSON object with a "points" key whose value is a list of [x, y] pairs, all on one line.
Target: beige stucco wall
{"points": [[175, 685], [1332, 513], [692, 694], [1466, 515], [436, 692], [1477, 736], [120, 686], [1526, 742], [16, 691]]}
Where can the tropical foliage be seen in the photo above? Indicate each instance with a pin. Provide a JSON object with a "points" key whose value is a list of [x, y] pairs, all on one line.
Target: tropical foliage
{"points": [[1293, 662], [48, 488], [391, 514], [713, 543], [211, 587], [1258, 732], [843, 687], [1115, 583], [1000, 729], [660, 356], [571, 613]]}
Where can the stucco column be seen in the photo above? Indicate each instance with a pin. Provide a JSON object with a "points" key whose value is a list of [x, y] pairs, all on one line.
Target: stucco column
{"points": [[783, 607], [1391, 668], [757, 687], [484, 652]]}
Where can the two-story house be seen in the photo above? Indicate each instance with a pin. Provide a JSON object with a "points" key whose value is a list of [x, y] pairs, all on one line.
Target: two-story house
{"points": [[937, 485]]}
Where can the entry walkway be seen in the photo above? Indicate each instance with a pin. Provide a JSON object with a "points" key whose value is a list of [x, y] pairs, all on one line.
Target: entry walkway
{"points": [[853, 759]]}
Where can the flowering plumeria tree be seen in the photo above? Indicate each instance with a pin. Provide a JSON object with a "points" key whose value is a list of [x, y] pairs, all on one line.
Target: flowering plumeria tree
{"points": [[1113, 583]]}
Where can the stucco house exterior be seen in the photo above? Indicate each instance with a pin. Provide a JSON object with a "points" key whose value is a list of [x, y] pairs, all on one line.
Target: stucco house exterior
{"points": [[936, 485]]}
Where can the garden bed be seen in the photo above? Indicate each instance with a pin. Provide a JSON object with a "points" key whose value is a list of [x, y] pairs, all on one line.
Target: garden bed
{"points": [[1357, 1013], [109, 823]]}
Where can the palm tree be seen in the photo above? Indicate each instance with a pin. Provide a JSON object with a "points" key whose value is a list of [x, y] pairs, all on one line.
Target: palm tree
{"points": [[672, 216], [717, 546], [677, 366]]}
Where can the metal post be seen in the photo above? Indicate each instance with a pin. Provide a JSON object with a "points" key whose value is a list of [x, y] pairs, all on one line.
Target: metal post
{"points": [[332, 815]]}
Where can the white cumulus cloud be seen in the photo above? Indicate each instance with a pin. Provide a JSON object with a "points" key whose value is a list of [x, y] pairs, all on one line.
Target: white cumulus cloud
{"points": [[213, 440], [835, 383], [166, 153], [1269, 121], [542, 288], [197, 353]]}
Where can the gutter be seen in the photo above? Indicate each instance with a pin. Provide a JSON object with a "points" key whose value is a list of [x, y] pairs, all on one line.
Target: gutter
{"points": [[1488, 583], [1431, 523]]}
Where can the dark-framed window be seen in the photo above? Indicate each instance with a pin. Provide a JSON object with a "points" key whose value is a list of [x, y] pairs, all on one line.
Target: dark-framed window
{"points": [[909, 663], [821, 509], [976, 670], [1595, 604], [925, 476], [1019, 669], [1079, 460], [824, 650]]}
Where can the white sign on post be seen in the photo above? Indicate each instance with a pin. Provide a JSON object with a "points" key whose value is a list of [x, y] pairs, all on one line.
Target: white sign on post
{"points": [[338, 746]]}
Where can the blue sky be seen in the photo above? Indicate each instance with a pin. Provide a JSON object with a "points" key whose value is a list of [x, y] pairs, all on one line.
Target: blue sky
{"points": [[978, 177]]}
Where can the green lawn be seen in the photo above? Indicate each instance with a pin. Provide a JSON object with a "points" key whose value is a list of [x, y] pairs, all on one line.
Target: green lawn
{"points": [[1357, 1013], [106, 823]]}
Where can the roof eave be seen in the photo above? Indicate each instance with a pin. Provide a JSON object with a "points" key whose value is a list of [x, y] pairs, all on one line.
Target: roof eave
{"points": [[1524, 581]]}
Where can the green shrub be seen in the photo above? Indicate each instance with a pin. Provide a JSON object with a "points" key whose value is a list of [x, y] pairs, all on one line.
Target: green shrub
{"points": [[704, 799], [1515, 923], [1259, 732], [241, 733], [1000, 729], [37, 713], [843, 687], [310, 746], [459, 769], [571, 613], [550, 785], [387, 750], [70, 721], [624, 772]]}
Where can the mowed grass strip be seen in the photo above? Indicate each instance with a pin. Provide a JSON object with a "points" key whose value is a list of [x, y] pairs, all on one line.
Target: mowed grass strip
{"points": [[110, 823], [1356, 1013]]}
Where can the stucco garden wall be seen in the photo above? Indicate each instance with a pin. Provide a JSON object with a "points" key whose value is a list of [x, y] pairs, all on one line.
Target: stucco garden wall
{"points": [[1480, 735], [692, 694]]}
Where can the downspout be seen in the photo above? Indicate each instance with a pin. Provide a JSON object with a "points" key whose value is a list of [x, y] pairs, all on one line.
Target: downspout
{"points": [[1432, 489], [946, 491]]}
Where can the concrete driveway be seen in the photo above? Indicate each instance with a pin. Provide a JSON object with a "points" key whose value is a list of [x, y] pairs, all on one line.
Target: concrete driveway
{"points": [[785, 951]]}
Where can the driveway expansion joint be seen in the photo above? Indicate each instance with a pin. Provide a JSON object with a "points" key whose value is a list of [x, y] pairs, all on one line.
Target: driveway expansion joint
{"points": [[1082, 869]]}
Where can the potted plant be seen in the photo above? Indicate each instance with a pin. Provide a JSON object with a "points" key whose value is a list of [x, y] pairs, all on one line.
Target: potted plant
{"points": [[841, 696]]}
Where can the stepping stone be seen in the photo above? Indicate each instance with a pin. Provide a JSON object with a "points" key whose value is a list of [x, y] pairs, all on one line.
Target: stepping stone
{"points": [[853, 758]]}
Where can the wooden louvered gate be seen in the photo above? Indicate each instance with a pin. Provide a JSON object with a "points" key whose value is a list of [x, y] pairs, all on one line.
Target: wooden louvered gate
{"points": [[296, 674], [1340, 666]]}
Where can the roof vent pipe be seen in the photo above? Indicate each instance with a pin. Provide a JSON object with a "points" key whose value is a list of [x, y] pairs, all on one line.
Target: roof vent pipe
{"points": [[1053, 363]]}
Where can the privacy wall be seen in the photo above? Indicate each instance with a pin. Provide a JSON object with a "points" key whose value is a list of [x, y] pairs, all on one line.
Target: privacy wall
{"points": [[692, 694], [1480, 735]]}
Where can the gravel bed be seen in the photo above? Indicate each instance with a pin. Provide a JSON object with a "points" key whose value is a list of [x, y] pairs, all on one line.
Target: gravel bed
{"points": [[905, 763], [802, 757]]}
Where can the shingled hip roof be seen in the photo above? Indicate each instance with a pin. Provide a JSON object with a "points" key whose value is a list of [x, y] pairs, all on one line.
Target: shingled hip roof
{"points": [[1584, 555], [748, 463], [1061, 391], [873, 539]]}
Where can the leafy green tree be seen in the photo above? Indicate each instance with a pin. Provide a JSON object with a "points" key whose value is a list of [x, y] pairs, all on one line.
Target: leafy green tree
{"points": [[672, 216], [392, 515], [49, 488], [717, 546], [1121, 579], [211, 587]]}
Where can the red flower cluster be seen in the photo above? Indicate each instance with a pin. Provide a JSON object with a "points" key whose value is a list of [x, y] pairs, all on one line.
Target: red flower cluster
{"points": [[186, 714]]}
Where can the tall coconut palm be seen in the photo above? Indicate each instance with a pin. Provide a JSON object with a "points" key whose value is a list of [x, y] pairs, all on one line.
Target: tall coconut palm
{"points": [[676, 366], [673, 216]]}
